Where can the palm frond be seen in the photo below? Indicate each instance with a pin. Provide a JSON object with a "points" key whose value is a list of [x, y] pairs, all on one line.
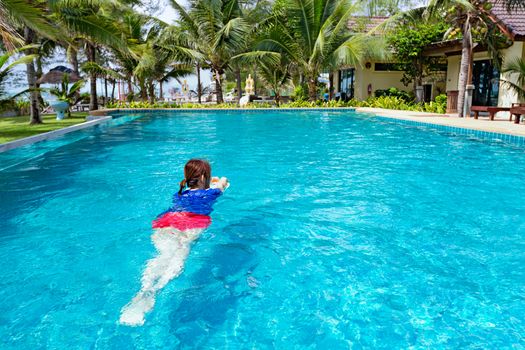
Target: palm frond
{"points": [[96, 69], [255, 57]]}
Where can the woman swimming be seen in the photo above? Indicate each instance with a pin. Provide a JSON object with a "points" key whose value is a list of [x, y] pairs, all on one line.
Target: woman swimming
{"points": [[174, 231]]}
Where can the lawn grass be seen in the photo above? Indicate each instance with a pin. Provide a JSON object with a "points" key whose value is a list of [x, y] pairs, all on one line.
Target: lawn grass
{"points": [[18, 127]]}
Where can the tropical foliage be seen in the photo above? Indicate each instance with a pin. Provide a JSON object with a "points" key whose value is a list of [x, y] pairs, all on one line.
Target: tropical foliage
{"points": [[316, 38], [7, 64], [515, 71], [285, 44], [212, 32], [66, 93], [408, 42]]}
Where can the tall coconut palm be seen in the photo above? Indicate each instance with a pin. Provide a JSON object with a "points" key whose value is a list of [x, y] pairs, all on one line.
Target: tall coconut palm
{"points": [[93, 24], [21, 23], [218, 30], [312, 34]]}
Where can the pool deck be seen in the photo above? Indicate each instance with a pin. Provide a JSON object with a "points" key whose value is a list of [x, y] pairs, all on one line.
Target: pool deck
{"points": [[500, 124]]}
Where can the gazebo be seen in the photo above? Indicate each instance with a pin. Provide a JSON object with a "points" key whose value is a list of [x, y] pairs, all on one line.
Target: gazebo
{"points": [[56, 75]]}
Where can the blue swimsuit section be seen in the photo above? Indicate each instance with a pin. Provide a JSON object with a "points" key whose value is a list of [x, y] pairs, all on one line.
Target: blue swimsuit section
{"points": [[195, 201]]}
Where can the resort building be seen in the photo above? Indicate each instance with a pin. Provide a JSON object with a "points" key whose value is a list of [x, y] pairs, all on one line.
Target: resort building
{"points": [[485, 76], [361, 82]]}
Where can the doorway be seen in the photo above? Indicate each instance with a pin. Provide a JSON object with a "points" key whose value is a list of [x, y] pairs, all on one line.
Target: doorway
{"points": [[485, 78]]}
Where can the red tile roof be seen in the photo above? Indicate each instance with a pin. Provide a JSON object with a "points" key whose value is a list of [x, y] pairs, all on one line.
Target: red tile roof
{"points": [[364, 24], [514, 20]]}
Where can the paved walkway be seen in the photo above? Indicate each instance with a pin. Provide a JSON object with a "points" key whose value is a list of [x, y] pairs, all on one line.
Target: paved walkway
{"points": [[499, 125]]}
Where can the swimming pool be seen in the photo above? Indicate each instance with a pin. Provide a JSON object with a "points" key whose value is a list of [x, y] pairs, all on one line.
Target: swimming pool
{"points": [[338, 231]]}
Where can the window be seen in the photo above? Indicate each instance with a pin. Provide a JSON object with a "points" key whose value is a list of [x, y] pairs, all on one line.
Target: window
{"points": [[387, 67], [485, 78], [346, 83]]}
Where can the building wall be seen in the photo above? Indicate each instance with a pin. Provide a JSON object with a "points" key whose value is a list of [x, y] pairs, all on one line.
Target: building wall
{"points": [[506, 97], [453, 72], [378, 79]]}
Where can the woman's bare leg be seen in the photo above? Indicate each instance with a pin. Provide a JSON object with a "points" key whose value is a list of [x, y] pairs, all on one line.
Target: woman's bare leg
{"points": [[173, 247]]}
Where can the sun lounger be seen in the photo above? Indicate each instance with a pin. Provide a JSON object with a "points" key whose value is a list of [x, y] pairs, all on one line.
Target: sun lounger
{"points": [[517, 112], [491, 110]]}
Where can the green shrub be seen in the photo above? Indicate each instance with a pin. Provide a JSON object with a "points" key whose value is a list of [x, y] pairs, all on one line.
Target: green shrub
{"points": [[386, 102], [85, 97], [7, 106], [300, 93], [22, 107], [394, 92], [439, 105]]}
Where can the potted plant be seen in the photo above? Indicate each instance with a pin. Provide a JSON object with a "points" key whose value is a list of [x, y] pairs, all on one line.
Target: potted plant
{"points": [[66, 96]]}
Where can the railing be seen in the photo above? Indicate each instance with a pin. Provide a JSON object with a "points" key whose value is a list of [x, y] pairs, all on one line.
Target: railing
{"points": [[452, 101]]}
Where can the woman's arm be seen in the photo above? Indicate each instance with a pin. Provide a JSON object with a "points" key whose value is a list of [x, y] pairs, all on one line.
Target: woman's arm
{"points": [[220, 183]]}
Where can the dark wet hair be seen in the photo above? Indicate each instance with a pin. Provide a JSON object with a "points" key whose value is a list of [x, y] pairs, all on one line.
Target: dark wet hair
{"points": [[197, 174]]}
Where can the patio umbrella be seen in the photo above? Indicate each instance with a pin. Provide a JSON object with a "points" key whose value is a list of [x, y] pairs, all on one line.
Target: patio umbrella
{"points": [[55, 76]]}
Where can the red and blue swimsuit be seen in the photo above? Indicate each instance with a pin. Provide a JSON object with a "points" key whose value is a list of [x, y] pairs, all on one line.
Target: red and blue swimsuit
{"points": [[190, 210]]}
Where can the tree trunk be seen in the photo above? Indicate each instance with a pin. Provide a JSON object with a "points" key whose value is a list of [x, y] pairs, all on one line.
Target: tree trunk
{"points": [[105, 91], [93, 99], [199, 86], [39, 73], [277, 98], [113, 91], [73, 60], [161, 91], [239, 85], [331, 82], [143, 91], [29, 37], [130, 90], [312, 89], [218, 85], [466, 53], [151, 90]]}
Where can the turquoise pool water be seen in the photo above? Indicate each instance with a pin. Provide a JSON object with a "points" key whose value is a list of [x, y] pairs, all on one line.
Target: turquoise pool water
{"points": [[338, 231]]}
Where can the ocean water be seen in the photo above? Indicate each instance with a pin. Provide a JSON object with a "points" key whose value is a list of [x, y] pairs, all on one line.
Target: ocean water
{"points": [[338, 231]]}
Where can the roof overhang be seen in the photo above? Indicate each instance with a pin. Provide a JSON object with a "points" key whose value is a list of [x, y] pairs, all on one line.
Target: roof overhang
{"points": [[448, 48]]}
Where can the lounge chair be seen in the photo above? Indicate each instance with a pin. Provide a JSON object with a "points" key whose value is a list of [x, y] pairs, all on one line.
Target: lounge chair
{"points": [[517, 110], [491, 110]]}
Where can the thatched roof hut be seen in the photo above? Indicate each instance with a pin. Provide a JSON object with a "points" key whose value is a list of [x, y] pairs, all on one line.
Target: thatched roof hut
{"points": [[55, 76]]}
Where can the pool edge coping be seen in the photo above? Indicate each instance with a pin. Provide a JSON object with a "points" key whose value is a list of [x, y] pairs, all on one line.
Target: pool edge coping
{"points": [[446, 122], [90, 122]]}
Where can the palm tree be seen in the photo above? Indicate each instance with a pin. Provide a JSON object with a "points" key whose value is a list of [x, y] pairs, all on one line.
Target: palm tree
{"points": [[516, 70], [21, 22], [313, 35], [93, 24], [67, 93], [275, 76], [216, 30]]}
